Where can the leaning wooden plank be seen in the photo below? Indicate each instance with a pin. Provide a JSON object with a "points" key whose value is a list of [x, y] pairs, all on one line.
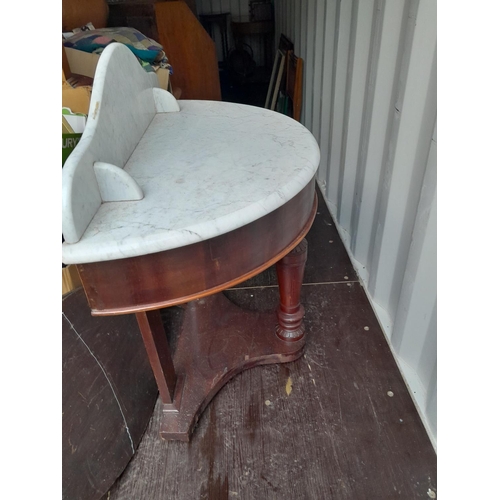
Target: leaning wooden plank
{"points": [[278, 80], [272, 81], [193, 58]]}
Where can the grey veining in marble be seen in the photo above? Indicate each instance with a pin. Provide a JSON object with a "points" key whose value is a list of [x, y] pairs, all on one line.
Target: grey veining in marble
{"points": [[206, 170], [209, 169]]}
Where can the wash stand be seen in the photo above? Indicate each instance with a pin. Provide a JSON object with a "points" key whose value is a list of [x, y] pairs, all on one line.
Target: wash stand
{"points": [[170, 202]]}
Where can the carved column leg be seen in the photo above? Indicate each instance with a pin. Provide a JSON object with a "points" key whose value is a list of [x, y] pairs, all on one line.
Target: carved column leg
{"points": [[155, 341], [290, 270]]}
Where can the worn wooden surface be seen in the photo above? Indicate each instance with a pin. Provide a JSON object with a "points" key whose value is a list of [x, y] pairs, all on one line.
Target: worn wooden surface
{"points": [[337, 423], [108, 395]]}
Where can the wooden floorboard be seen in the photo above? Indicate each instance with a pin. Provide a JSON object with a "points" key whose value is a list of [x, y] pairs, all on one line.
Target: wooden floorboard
{"points": [[338, 423], [108, 396]]}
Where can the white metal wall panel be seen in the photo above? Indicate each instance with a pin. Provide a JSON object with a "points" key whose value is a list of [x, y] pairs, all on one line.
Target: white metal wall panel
{"points": [[310, 50], [341, 60], [319, 44], [355, 98], [330, 28], [384, 86], [369, 97]]}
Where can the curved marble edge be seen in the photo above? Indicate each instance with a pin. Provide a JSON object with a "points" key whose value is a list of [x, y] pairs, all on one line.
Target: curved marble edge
{"points": [[178, 238], [86, 251]]}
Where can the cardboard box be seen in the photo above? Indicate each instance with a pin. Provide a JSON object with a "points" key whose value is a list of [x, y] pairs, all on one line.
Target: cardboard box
{"points": [[76, 99], [65, 63], [84, 63], [81, 63], [70, 279]]}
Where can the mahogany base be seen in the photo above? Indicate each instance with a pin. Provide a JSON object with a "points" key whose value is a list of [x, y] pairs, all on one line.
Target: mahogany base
{"points": [[218, 340]]}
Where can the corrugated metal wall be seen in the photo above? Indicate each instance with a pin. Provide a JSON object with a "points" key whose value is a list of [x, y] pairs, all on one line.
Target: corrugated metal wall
{"points": [[369, 98]]}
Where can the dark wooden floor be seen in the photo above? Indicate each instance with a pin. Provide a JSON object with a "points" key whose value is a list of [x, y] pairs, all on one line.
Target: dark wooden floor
{"points": [[336, 424]]}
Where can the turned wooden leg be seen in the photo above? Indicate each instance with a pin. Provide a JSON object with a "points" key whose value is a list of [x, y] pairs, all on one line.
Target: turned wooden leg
{"points": [[155, 341], [290, 270]]}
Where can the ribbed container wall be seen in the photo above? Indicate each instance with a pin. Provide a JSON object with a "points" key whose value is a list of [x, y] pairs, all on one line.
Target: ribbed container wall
{"points": [[369, 98]]}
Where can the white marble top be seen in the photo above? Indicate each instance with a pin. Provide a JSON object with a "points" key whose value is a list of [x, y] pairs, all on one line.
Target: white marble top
{"points": [[204, 171]]}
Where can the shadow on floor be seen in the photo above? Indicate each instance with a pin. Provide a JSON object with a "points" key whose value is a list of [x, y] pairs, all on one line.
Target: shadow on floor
{"points": [[337, 423]]}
